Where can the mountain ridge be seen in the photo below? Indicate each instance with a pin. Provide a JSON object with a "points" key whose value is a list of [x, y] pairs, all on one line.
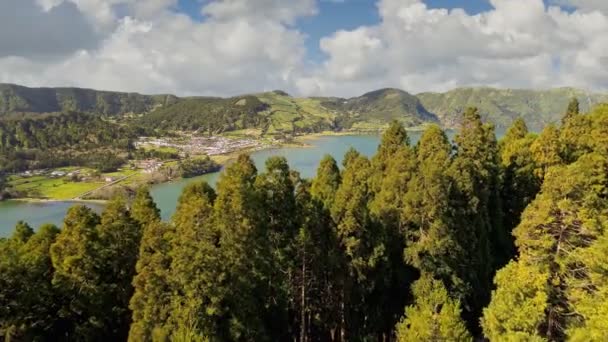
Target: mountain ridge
{"points": [[279, 112]]}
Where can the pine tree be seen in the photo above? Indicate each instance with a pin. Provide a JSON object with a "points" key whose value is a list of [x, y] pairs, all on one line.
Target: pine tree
{"points": [[435, 316], [327, 181]]}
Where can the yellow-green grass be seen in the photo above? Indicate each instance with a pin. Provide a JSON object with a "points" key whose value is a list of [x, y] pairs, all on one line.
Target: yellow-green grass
{"points": [[52, 188], [165, 149]]}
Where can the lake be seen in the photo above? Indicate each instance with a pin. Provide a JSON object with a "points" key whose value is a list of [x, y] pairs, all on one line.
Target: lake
{"points": [[303, 159]]}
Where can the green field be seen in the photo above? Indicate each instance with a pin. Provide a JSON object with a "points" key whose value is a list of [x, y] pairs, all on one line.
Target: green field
{"points": [[51, 188]]}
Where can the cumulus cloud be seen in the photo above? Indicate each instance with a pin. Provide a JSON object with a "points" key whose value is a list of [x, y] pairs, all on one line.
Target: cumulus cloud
{"points": [[234, 50], [585, 5], [28, 30], [246, 46], [519, 43]]}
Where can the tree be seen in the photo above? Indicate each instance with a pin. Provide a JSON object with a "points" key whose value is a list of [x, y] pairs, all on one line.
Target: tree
{"points": [[557, 229], [546, 151], [327, 181], [360, 241], [519, 285], [28, 301], [279, 226], [572, 111], [244, 261], [435, 316], [386, 209], [151, 301], [143, 208], [195, 263], [23, 232], [432, 245], [119, 241], [74, 255], [519, 183], [349, 156], [318, 260], [394, 138]]}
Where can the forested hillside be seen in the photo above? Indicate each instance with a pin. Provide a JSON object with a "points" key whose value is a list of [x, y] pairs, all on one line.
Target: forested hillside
{"points": [[63, 139], [503, 106], [278, 113], [18, 99], [442, 241]]}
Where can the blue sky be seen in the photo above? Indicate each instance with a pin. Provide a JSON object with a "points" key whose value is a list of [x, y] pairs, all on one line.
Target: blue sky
{"points": [[247, 46], [335, 15]]}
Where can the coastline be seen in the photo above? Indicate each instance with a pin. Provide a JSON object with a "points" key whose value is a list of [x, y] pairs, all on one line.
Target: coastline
{"points": [[299, 141]]}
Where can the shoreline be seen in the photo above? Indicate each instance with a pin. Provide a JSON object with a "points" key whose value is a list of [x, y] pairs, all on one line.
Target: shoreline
{"points": [[300, 141]]}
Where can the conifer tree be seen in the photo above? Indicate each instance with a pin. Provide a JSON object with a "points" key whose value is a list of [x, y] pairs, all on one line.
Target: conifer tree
{"points": [[318, 262], [394, 138], [557, 228], [195, 262], [519, 184], [75, 259], [361, 242], [279, 226], [434, 316], [327, 181], [475, 171], [432, 244], [386, 209], [151, 301], [349, 156], [244, 260], [119, 242], [23, 232], [546, 151], [143, 208], [28, 303], [572, 111]]}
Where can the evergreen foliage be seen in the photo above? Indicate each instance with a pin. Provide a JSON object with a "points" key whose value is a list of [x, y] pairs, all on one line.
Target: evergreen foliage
{"points": [[268, 256]]}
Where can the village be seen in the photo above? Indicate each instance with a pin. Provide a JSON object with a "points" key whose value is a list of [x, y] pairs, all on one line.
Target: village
{"points": [[197, 145]]}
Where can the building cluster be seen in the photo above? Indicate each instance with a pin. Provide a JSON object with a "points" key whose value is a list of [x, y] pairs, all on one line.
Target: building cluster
{"points": [[195, 145]]}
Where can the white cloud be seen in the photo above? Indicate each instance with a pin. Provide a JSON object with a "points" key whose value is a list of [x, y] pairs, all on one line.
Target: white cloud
{"points": [[254, 45], [54, 32], [584, 5], [519, 43], [235, 50]]}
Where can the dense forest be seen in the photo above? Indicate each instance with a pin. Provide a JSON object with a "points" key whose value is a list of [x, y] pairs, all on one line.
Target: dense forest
{"points": [[64, 139], [441, 241]]}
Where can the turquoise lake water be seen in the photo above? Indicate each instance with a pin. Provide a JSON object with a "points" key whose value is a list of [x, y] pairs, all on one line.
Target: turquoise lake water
{"points": [[305, 160]]}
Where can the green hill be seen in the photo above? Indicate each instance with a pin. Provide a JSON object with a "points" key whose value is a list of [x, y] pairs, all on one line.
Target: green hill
{"points": [[279, 113], [19, 99], [502, 106]]}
